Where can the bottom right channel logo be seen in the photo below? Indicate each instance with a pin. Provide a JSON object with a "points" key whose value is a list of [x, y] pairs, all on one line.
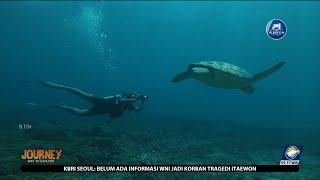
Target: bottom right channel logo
{"points": [[291, 155]]}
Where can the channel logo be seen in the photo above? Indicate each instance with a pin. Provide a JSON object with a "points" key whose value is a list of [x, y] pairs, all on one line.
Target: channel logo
{"points": [[276, 29], [291, 155]]}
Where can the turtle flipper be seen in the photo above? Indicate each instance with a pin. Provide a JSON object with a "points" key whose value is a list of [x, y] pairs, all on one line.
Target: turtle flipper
{"points": [[249, 89], [181, 76], [267, 72]]}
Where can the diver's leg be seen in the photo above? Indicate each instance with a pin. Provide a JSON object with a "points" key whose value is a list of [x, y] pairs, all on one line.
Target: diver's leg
{"points": [[72, 90], [73, 110]]}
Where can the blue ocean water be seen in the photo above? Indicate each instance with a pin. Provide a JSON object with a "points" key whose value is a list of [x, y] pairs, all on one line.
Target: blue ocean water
{"points": [[107, 47]]}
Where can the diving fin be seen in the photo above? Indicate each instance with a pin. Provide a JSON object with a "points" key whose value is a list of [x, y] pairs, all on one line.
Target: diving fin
{"points": [[267, 72]]}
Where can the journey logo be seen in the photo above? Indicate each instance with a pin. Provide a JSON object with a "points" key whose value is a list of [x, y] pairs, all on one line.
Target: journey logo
{"points": [[276, 29], [41, 155]]}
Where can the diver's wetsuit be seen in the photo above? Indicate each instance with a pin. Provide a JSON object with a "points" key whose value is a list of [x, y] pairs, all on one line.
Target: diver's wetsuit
{"points": [[114, 105]]}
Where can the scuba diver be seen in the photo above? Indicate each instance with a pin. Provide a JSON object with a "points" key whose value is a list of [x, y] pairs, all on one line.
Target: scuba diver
{"points": [[114, 105]]}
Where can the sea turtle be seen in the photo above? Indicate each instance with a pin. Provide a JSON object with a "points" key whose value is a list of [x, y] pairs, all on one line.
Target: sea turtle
{"points": [[224, 75]]}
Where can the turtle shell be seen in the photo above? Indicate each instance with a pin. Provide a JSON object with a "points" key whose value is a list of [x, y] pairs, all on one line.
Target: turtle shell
{"points": [[226, 67]]}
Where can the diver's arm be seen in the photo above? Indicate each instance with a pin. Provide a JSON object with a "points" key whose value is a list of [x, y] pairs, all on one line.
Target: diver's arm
{"points": [[124, 100], [111, 97], [130, 102], [142, 99], [117, 99], [139, 107]]}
